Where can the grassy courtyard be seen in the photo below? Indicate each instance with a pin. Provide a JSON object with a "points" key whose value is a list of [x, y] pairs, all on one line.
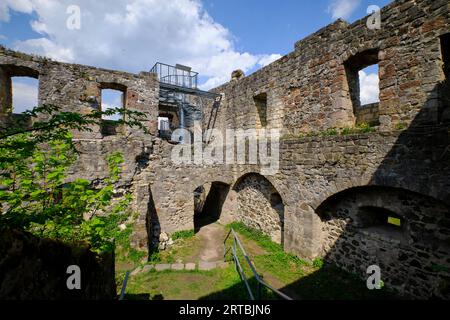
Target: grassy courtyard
{"points": [[297, 278]]}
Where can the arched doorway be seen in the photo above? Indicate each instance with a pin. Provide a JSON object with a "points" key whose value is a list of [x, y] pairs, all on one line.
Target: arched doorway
{"points": [[260, 206], [208, 201]]}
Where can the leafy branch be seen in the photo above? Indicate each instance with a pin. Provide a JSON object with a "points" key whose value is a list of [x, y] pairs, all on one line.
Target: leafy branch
{"points": [[34, 192]]}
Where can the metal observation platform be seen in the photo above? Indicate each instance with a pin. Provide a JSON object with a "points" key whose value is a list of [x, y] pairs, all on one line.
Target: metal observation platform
{"points": [[175, 84], [180, 79]]}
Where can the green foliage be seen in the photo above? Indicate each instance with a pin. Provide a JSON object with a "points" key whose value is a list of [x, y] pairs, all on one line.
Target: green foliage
{"points": [[329, 133], [439, 268], [362, 128], [284, 266], [155, 257], [318, 263], [187, 234], [260, 238], [359, 129], [400, 126], [35, 194], [124, 251]]}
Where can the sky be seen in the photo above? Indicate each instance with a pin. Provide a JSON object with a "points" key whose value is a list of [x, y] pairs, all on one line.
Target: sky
{"points": [[214, 37]]}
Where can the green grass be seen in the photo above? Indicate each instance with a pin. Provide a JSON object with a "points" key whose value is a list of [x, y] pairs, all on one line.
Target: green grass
{"points": [[362, 128], [318, 263], [124, 252], [297, 278], [401, 126], [274, 262], [219, 284], [303, 280], [359, 129], [183, 235], [185, 249]]}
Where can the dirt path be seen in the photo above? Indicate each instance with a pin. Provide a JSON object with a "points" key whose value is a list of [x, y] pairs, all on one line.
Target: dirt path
{"points": [[211, 237]]}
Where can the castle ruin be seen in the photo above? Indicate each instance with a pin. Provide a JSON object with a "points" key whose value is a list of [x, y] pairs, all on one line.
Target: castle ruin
{"points": [[333, 194]]}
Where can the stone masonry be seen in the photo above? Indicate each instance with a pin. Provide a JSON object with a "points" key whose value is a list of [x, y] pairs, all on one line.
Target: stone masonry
{"points": [[327, 186]]}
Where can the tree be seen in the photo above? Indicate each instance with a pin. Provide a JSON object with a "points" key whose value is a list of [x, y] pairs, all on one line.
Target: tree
{"points": [[34, 192]]}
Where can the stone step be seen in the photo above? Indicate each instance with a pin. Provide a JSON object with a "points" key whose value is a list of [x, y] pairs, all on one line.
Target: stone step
{"points": [[201, 265]]}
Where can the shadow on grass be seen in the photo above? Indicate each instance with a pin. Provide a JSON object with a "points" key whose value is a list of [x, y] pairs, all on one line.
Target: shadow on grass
{"points": [[239, 292], [144, 297], [332, 283], [327, 283]]}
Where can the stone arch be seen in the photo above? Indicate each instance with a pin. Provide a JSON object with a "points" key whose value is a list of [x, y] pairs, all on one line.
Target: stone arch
{"points": [[376, 181], [404, 232], [260, 205], [209, 199]]}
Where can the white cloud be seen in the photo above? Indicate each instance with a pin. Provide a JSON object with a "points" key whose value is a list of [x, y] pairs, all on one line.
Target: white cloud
{"points": [[48, 48], [111, 99], [343, 8], [369, 88], [132, 35], [268, 59], [25, 95], [24, 6]]}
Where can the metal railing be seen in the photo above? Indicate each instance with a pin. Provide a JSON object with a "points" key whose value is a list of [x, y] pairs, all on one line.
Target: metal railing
{"points": [[260, 283], [175, 75], [124, 286]]}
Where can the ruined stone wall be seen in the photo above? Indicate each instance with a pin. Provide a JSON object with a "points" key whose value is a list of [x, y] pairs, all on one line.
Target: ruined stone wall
{"points": [[308, 89], [33, 268], [413, 257], [78, 88], [368, 114], [260, 206]]}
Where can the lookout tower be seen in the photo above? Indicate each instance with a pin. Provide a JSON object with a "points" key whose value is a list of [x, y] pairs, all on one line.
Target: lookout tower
{"points": [[176, 84]]}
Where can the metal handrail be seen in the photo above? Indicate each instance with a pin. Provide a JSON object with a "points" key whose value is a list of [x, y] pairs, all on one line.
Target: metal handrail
{"points": [[240, 270], [124, 286], [173, 75]]}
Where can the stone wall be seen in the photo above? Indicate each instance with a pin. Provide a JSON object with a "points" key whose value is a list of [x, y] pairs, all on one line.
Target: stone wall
{"points": [[78, 88], [412, 256], [368, 114], [260, 206], [308, 89]]}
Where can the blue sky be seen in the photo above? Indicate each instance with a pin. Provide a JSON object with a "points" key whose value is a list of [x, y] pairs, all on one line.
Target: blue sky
{"points": [[274, 26], [215, 37]]}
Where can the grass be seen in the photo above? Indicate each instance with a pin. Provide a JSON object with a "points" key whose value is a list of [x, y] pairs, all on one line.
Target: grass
{"points": [[359, 129], [301, 279], [126, 256], [401, 126], [297, 278], [183, 235], [274, 262], [219, 284], [362, 128], [184, 249]]}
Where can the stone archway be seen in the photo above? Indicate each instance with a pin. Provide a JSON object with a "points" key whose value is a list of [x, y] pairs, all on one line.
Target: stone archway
{"points": [[208, 202], [403, 232]]}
